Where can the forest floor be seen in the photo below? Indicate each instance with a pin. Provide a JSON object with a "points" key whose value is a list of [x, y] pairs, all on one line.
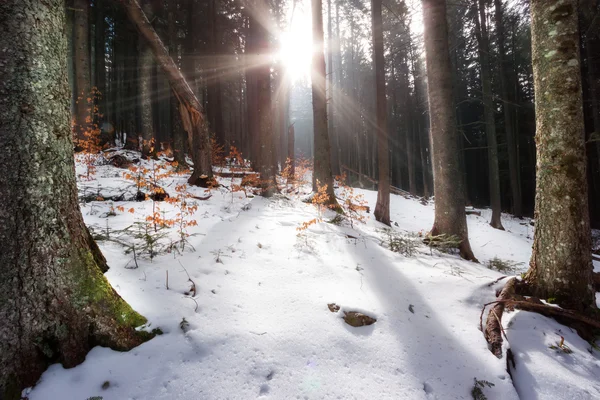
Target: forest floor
{"points": [[258, 325]]}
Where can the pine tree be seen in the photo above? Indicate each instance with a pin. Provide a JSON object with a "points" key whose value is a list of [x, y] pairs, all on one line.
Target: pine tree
{"points": [[55, 303], [561, 263], [450, 217]]}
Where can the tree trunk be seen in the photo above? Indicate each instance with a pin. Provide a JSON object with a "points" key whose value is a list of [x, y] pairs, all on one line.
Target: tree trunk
{"points": [[99, 56], [561, 263], [335, 165], [511, 134], [146, 66], [55, 303], [190, 109], [267, 162], [290, 150], [382, 207], [450, 215], [322, 166], [488, 112], [83, 116], [251, 90], [214, 109], [177, 132]]}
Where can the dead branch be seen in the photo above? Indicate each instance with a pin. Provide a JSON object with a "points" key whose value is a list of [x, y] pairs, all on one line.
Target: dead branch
{"points": [[202, 198]]}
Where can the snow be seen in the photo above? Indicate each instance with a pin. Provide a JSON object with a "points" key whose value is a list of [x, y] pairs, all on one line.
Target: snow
{"points": [[259, 325]]}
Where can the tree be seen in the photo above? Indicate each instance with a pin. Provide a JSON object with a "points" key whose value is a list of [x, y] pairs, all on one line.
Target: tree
{"points": [[55, 303], [481, 32], [322, 167], [450, 217], [509, 128], [190, 109], [146, 68], [81, 44], [382, 208], [561, 264]]}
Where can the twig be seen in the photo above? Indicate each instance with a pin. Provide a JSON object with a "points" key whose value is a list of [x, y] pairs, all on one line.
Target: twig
{"points": [[167, 279], [190, 297], [497, 280], [258, 334], [193, 288]]}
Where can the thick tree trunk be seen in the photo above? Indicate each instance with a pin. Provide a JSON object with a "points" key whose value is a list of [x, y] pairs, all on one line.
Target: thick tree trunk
{"points": [[450, 215], [190, 108], [382, 207], [322, 166], [55, 303], [488, 111], [511, 133], [81, 43], [561, 263]]}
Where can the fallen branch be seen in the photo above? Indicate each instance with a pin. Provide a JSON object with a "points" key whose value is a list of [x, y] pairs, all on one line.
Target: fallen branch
{"points": [[202, 198], [473, 212]]}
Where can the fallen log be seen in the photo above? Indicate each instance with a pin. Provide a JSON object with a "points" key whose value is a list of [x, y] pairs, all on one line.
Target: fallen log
{"points": [[241, 174], [473, 212]]}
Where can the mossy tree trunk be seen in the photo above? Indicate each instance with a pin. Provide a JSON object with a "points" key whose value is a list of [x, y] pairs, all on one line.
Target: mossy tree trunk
{"points": [[450, 217], [55, 303], [561, 263]]}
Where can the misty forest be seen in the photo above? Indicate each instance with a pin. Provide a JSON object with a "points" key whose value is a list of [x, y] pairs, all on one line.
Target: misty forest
{"points": [[299, 199]]}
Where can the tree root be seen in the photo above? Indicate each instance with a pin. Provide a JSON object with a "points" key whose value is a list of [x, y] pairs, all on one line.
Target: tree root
{"points": [[511, 296]]}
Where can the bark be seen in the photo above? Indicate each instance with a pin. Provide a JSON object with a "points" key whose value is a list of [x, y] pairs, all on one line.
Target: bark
{"points": [[190, 109], [382, 207], [55, 303], [511, 133], [561, 263], [322, 158], [450, 215], [81, 43], [488, 111]]}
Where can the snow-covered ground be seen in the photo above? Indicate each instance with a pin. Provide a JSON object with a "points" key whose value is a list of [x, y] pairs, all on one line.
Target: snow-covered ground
{"points": [[259, 325]]}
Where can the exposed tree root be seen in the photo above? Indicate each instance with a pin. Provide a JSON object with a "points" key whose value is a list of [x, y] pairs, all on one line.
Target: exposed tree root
{"points": [[511, 296]]}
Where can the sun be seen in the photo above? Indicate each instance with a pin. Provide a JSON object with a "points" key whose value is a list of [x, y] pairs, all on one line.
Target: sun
{"points": [[296, 49]]}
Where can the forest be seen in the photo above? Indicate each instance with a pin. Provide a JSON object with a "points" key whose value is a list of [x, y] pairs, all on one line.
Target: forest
{"points": [[299, 199]]}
